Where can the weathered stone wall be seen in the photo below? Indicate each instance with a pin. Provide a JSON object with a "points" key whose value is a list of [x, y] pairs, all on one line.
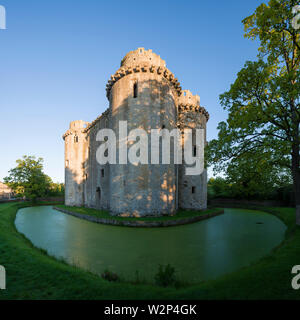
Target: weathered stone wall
{"points": [[142, 223], [75, 158], [147, 95], [140, 56], [143, 189], [96, 184], [192, 188]]}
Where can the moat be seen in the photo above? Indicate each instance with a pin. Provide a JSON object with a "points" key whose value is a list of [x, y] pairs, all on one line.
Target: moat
{"points": [[199, 251]]}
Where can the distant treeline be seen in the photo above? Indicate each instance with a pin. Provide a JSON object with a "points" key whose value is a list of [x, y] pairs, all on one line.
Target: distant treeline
{"points": [[55, 190], [221, 188]]}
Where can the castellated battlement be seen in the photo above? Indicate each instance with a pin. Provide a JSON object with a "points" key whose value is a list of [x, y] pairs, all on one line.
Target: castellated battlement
{"points": [[76, 127], [78, 124], [188, 103], [143, 61], [142, 56], [97, 120], [187, 98]]}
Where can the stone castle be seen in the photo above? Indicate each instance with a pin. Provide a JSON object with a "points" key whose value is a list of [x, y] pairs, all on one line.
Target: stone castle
{"points": [[147, 95], [6, 192]]}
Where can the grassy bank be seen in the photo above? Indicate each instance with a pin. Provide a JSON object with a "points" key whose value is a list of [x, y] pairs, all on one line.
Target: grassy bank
{"points": [[181, 214], [32, 274]]}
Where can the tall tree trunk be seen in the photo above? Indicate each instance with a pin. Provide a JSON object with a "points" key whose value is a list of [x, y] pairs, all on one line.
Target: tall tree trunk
{"points": [[297, 198], [296, 159], [296, 179]]}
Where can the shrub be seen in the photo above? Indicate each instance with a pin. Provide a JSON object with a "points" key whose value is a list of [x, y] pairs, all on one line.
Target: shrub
{"points": [[110, 276], [165, 276]]}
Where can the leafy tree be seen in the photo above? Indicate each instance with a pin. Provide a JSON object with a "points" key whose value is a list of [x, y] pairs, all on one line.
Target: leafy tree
{"points": [[264, 101], [242, 182], [56, 189], [27, 178], [218, 188], [253, 176]]}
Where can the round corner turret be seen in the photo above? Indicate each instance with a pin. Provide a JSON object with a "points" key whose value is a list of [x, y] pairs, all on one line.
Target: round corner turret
{"points": [[141, 56]]}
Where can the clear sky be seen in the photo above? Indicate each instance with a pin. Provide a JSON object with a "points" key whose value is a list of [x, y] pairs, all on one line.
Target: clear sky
{"points": [[56, 58]]}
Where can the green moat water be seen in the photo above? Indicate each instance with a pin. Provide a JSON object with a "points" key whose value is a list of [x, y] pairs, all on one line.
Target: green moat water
{"points": [[199, 251]]}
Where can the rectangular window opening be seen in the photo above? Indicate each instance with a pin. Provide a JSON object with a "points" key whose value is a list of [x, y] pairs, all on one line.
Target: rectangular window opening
{"points": [[98, 191], [135, 90]]}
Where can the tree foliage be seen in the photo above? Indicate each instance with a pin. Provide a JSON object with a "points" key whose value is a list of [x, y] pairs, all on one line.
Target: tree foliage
{"points": [[261, 133], [249, 188], [28, 180], [56, 189]]}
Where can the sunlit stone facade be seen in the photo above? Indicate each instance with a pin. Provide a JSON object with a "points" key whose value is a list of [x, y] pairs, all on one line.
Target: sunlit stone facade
{"points": [[147, 95]]}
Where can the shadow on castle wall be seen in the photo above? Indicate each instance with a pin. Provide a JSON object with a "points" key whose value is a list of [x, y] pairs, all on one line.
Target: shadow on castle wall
{"points": [[130, 189]]}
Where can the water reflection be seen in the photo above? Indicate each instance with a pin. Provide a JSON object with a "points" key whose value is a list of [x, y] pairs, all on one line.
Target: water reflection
{"points": [[198, 251]]}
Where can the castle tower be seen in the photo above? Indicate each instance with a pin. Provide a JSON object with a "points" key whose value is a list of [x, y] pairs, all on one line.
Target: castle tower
{"points": [[144, 93], [192, 188], [75, 158]]}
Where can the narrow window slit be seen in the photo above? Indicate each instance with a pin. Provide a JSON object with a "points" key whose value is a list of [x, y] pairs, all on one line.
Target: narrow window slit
{"points": [[98, 190], [194, 151], [135, 90]]}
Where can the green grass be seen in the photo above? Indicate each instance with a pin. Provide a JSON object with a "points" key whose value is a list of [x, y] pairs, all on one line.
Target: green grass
{"points": [[181, 214], [32, 274]]}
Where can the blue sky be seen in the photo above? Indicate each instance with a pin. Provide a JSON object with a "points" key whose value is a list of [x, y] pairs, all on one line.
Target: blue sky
{"points": [[56, 57]]}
